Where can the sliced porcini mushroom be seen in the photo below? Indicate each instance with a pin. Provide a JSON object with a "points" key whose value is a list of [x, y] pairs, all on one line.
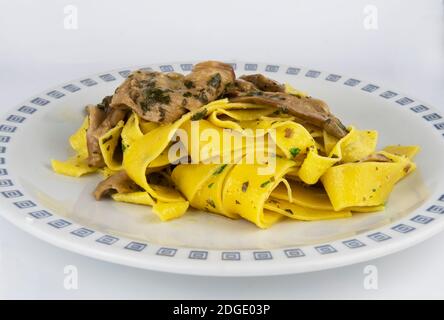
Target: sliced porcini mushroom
{"points": [[164, 97], [119, 182], [263, 83], [312, 111]]}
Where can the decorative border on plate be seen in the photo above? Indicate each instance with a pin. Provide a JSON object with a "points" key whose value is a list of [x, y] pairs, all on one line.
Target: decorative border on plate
{"points": [[36, 213]]}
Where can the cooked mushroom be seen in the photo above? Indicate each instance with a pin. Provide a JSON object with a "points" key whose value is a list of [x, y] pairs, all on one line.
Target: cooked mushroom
{"points": [[164, 97], [312, 111], [119, 182], [263, 83]]}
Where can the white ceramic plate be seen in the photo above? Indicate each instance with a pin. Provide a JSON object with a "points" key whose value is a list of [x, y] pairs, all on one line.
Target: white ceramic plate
{"points": [[61, 210]]}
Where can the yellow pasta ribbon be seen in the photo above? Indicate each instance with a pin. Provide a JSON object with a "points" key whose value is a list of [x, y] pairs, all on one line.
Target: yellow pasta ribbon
{"points": [[108, 144], [76, 165], [298, 212], [245, 192], [366, 183], [202, 185], [315, 198], [357, 144]]}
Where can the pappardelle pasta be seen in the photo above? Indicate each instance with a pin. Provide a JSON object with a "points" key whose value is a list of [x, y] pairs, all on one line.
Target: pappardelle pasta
{"points": [[246, 148]]}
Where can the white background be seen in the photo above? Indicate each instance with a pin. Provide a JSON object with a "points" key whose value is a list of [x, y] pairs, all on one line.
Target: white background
{"points": [[406, 52]]}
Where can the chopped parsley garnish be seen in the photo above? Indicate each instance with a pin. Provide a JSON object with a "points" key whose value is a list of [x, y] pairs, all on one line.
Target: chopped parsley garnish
{"points": [[199, 115], [189, 84], [162, 113], [105, 140], [219, 170], [215, 81], [210, 185], [202, 96], [264, 184], [294, 151], [187, 94], [153, 96]]}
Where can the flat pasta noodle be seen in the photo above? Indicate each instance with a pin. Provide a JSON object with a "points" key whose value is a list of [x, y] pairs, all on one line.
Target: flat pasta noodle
{"points": [[245, 192], [131, 131], [76, 165], [138, 197], [202, 185], [366, 183], [234, 118], [108, 144], [398, 150], [314, 199], [298, 212], [356, 145], [168, 211]]}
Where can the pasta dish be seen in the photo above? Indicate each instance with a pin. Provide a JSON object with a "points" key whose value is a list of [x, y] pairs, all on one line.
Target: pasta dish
{"points": [[247, 147]]}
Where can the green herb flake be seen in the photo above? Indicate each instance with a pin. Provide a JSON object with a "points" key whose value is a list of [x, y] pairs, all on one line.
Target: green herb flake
{"points": [[162, 113], [264, 184], [215, 81], [154, 95], [219, 170], [199, 115], [189, 84], [210, 185], [105, 140], [294, 151], [202, 96], [187, 94]]}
